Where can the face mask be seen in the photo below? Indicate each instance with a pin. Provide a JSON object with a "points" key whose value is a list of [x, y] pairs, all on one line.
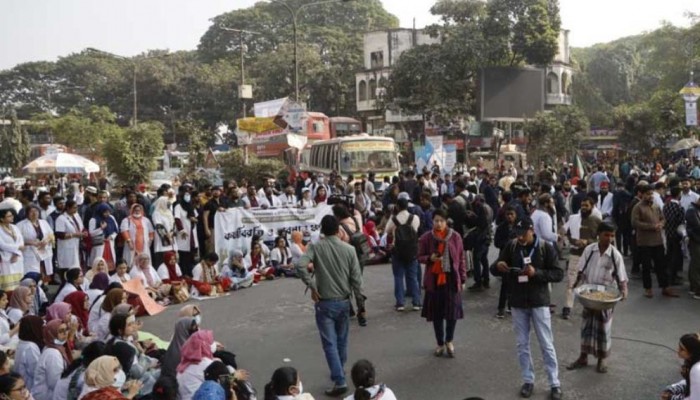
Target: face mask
{"points": [[58, 342], [301, 389], [320, 180], [198, 319], [119, 379], [213, 347], [187, 198]]}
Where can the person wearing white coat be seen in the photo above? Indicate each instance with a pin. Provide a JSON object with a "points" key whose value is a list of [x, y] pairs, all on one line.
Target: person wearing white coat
{"points": [[29, 348], [11, 246], [103, 230], [69, 233], [138, 233], [53, 360], [164, 223], [186, 224], [8, 333], [38, 237]]}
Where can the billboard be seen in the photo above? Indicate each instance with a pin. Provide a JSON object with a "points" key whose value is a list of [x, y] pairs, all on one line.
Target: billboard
{"points": [[511, 94]]}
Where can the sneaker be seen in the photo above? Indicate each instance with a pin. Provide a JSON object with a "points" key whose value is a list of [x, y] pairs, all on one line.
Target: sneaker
{"points": [[336, 391], [362, 320], [509, 311], [565, 312], [526, 390], [555, 394], [417, 308], [500, 314], [696, 297], [400, 308]]}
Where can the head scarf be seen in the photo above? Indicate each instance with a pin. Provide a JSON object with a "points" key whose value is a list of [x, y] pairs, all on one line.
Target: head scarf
{"points": [[133, 208], [195, 349], [112, 299], [171, 359], [370, 229], [100, 281], [19, 299], [57, 311], [35, 276], [31, 330], [298, 239], [29, 279], [125, 353], [122, 309], [189, 311], [100, 373], [50, 332], [99, 218], [93, 269], [77, 302], [210, 390], [164, 213], [172, 271], [186, 205]]}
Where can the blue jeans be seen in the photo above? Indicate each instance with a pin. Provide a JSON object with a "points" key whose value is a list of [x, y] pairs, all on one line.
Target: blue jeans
{"points": [[410, 272], [540, 317], [332, 320]]}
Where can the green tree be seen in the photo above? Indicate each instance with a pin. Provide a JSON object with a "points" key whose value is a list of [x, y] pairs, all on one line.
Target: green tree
{"points": [[83, 132], [256, 171], [14, 144], [131, 154], [555, 135], [197, 138]]}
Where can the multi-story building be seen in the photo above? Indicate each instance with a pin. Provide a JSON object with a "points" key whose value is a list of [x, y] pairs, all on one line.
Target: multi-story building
{"points": [[559, 75]]}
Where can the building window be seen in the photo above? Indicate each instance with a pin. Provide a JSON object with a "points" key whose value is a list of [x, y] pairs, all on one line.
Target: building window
{"points": [[565, 83], [362, 91], [553, 83], [377, 59], [372, 89]]}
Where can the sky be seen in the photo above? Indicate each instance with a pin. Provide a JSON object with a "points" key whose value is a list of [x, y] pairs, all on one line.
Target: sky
{"points": [[35, 30]]}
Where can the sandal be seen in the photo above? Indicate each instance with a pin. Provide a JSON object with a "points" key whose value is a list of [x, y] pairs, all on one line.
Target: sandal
{"points": [[450, 350], [601, 368], [440, 351], [577, 365]]}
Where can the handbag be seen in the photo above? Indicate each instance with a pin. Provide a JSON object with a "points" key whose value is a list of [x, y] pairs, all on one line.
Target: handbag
{"points": [[180, 292], [97, 240]]}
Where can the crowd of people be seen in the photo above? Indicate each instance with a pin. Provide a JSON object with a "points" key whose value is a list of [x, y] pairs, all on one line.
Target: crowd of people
{"points": [[72, 261]]}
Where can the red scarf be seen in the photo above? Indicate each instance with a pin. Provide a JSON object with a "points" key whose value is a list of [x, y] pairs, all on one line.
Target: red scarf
{"points": [[436, 269]]}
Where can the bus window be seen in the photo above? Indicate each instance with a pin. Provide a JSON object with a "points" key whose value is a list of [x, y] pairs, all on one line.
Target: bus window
{"points": [[319, 127], [334, 157], [369, 156]]}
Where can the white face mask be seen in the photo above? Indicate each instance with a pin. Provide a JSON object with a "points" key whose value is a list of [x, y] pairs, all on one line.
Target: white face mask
{"points": [[320, 180], [198, 319], [58, 342], [187, 198], [301, 389], [213, 347], [119, 379]]}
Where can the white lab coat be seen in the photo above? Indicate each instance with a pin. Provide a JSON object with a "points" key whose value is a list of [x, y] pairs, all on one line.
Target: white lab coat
{"points": [[288, 200], [32, 258], [11, 273], [68, 250], [14, 314], [48, 372], [101, 331], [158, 246], [68, 288], [189, 380], [26, 360], [183, 244], [5, 339], [98, 251], [60, 392], [137, 272], [95, 313], [262, 201], [164, 274], [128, 226]]}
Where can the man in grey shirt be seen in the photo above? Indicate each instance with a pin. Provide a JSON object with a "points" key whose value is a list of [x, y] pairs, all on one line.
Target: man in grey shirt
{"points": [[336, 276]]}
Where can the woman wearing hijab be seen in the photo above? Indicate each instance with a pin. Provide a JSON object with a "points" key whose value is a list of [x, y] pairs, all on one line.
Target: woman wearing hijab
{"points": [[195, 356], [104, 379], [297, 247], [11, 246], [164, 223], [39, 299], [8, 331], [189, 311], [442, 252], [103, 230], [72, 379], [31, 342], [79, 303], [150, 279], [52, 361], [137, 232], [38, 238], [99, 284], [95, 309], [186, 225], [128, 357], [101, 328], [237, 272], [19, 304], [72, 283], [99, 265], [184, 328], [169, 271]]}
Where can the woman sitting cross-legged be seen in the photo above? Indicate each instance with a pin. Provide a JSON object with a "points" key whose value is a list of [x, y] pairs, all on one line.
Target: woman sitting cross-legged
{"points": [[150, 279], [206, 280], [105, 379], [236, 270], [257, 264], [281, 259]]}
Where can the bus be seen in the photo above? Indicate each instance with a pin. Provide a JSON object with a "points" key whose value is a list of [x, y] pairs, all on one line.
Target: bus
{"points": [[344, 126], [354, 155]]}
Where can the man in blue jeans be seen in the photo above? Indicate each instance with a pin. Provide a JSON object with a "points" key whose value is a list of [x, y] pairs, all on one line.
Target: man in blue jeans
{"points": [[336, 275], [402, 231], [528, 264]]}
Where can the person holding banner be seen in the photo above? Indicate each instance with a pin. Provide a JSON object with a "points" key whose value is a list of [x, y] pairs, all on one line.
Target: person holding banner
{"points": [[306, 201], [137, 232]]}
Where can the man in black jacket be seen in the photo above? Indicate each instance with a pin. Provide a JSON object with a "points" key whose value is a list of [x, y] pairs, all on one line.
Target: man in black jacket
{"points": [[692, 217], [529, 265]]}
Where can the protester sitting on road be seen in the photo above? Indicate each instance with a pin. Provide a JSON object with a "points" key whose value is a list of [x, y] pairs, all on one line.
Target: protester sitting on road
{"points": [[184, 328], [99, 265], [98, 323], [257, 263], [196, 355], [72, 283], [122, 273], [285, 384], [281, 258], [31, 341], [104, 379], [169, 271], [236, 270], [366, 386], [13, 385], [73, 378], [206, 279], [297, 246], [19, 304], [53, 360], [39, 300]]}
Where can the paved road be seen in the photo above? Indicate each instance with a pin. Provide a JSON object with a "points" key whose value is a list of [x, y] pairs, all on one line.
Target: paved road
{"points": [[274, 321]]}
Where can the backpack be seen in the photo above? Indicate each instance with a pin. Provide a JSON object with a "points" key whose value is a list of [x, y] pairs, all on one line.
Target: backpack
{"points": [[405, 240], [358, 240]]}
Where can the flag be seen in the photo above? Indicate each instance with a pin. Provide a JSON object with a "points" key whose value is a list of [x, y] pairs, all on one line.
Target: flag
{"points": [[579, 168]]}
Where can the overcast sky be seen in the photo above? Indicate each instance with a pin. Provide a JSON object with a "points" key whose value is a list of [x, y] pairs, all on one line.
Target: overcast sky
{"points": [[33, 30]]}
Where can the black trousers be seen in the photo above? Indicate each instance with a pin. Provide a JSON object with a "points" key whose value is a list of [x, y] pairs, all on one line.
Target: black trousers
{"points": [[444, 330], [636, 259], [503, 295], [623, 238], [674, 257], [186, 262], [653, 257]]}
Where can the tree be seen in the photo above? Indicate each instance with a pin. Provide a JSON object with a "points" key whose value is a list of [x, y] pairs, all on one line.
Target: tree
{"points": [[14, 144], [197, 138], [555, 135], [131, 154], [83, 132], [256, 171]]}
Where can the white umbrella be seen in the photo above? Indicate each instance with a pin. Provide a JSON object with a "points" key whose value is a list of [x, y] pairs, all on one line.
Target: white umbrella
{"points": [[685, 144], [62, 163]]}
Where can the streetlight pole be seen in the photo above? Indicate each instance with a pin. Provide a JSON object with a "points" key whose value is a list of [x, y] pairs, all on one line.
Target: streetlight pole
{"points": [[294, 13]]}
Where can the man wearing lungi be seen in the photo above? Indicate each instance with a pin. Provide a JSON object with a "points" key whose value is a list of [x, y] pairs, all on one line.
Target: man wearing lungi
{"points": [[600, 264]]}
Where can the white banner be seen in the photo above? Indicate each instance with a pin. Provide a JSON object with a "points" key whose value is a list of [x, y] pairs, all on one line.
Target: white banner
{"points": [[691, 113], [235, 227]]}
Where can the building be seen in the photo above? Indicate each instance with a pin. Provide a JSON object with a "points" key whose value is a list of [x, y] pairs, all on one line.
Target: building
{"points": [[381, 51], [559, 75]]}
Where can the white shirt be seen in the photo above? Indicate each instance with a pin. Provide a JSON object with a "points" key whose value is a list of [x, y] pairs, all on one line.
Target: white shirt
{"points": [[26, 360], [68, 288], [601, 266], [11, 203], [288, 200], [688, 199], [657, 200], [68, 250], [433, 186], [606, 206], [262, 201], [95, 313], [137, 272], [60, 392], [185, 243], [189, 380], [276, 255], [694, 382], [544, 226], [402, 217], [198, 272], [374, 390], [48, 372], [164, 274]]}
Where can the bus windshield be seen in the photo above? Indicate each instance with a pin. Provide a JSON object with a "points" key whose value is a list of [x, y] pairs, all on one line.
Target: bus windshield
{"points": [[366, 156]]}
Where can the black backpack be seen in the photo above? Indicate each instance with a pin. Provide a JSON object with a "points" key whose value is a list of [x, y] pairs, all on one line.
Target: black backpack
{"points": [[405, 240], [358, 240]]}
